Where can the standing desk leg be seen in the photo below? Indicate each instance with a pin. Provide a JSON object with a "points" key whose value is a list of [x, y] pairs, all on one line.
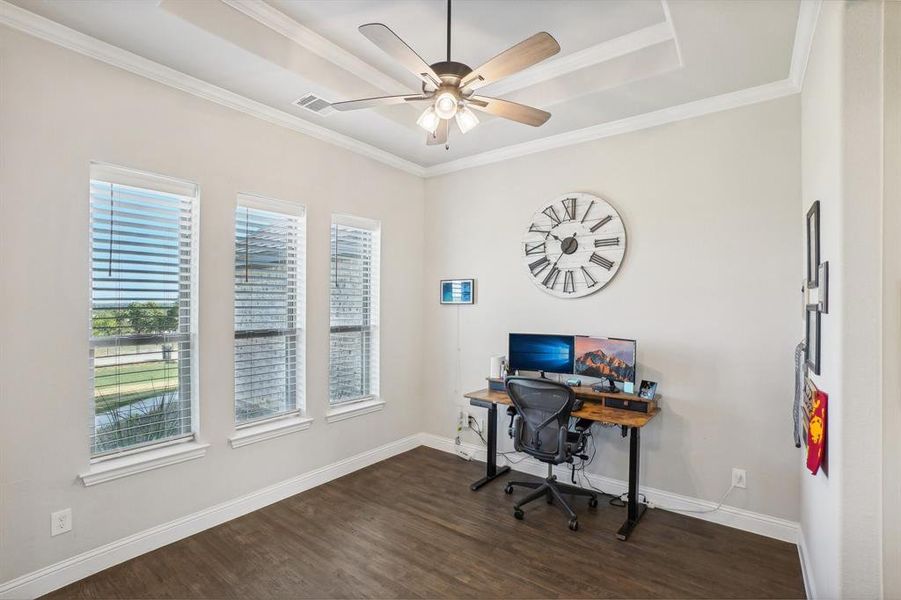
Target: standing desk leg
{"points": [[635, 508], [491, 460]]}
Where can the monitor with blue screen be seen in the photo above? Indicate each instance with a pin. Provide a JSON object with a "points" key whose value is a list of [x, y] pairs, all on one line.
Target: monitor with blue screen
{"points": [[546, 353]]}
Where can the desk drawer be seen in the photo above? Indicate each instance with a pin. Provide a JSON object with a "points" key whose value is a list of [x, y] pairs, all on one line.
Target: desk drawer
{"points": [[633, 405]]}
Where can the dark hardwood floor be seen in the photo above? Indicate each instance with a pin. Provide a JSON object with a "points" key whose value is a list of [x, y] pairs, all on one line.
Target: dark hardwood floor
{"points": [[409, 527]]}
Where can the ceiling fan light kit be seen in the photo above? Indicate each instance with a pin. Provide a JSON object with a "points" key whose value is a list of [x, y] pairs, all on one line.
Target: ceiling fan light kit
{"points": [[466, 119], [446, 104], [429, 120], [449, 86]]}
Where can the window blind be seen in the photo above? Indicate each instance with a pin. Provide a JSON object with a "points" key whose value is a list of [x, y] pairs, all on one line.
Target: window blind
{"points": [[141, 312], [353, 352], [268, 308]]}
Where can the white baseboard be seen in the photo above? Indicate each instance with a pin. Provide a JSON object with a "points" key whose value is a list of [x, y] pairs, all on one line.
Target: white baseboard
{"points": [[43, 581], [806, 570], [746, 520]]}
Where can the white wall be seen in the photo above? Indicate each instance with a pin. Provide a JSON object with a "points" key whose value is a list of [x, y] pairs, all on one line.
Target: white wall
{"points": [[821, 180], [60, 110], [709, 288], [841, 514], [891, 310]]}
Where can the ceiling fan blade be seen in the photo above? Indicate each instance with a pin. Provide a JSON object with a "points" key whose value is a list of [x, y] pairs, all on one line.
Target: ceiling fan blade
{"points": [[379, 101], [396, 48], [521, 56], [510, 110], [440, 135]]}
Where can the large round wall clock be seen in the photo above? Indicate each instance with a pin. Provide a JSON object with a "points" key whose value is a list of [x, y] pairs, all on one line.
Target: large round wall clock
{"points": [[574, 245]]}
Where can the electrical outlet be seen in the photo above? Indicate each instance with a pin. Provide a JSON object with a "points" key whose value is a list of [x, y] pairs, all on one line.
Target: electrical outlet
{"points": [[739, 478], [60, 521]]}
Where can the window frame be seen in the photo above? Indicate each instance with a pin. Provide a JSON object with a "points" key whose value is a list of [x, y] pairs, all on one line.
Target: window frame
{"points": [[371, 401], [295, 419], [129, 459]]}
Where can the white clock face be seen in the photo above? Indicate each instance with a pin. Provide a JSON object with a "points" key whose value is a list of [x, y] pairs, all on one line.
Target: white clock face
{"points": [[574, 245]]}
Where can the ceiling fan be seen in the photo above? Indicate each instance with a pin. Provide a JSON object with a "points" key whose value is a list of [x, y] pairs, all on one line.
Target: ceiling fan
{"points": [[449, 86]]}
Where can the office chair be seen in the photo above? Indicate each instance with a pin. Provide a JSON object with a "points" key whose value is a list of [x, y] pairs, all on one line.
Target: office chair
{"points": [[541, 429]]}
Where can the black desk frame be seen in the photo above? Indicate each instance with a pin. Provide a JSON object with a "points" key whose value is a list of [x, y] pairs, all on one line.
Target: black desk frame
{"points": [[634, 509], [491, 460]]}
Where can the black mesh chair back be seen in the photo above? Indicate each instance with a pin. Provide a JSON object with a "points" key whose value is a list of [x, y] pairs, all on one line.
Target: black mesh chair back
{"points": [[544, 409]]}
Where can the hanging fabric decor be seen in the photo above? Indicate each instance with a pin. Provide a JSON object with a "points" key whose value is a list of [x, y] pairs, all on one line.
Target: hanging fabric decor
{"points": [[816, 431]]}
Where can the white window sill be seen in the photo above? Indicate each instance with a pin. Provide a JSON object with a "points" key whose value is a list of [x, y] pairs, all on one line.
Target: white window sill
{"points": [[354, 409], [139, 462], [251, 434]]}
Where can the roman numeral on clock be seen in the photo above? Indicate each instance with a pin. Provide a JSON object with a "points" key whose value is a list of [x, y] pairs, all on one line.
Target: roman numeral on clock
{"points": [[539, 265], [569, 206], [601, 223], [606, 242], [587, 210], [601, 261], [569, 285], [551, 280], [534, 248], [533, 228], [589, 280], [552, 214]]}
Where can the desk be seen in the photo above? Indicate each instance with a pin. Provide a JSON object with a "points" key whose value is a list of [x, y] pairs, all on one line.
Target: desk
{"points": [[592, 410]]}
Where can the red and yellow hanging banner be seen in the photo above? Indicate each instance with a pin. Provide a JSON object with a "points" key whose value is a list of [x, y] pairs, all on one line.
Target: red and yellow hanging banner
{"points": [[816, 429]]}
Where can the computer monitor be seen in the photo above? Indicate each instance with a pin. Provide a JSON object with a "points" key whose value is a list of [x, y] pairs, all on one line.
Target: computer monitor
{"points": [[547, 353], [613, 358]]}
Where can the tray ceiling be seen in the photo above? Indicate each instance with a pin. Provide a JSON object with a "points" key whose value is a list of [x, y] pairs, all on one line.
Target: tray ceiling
{"points": [[619, 59]]}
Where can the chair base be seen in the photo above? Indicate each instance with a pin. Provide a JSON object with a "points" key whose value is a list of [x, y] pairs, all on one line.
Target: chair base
{"points": [[551, 490]]}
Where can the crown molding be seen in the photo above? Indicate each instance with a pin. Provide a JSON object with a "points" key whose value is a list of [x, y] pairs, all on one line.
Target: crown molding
{"points": [[274, 19], [51, 31], [808, 13], [689, 110]]}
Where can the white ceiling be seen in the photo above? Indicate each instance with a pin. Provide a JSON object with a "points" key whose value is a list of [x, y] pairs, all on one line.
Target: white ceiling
{"points": [[619, 58]]}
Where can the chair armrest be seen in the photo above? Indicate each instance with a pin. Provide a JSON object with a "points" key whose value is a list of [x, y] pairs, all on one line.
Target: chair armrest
{"points": [[562, 445], [517, 432]]}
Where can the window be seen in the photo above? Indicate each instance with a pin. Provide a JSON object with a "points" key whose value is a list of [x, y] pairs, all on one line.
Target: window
{"points": [[354, 316], [142, 277], [268, 309]]}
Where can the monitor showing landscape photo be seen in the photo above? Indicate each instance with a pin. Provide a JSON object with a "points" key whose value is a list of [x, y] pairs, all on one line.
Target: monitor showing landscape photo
{"points": [[605, 357]]}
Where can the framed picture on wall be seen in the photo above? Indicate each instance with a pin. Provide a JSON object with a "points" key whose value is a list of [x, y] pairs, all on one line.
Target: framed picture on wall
{"points": [[813, 245], [457, 291], [812, 338]]}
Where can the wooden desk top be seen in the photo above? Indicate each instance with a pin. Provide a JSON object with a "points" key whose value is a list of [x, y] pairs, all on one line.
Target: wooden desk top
{"points": [[590, 410]]}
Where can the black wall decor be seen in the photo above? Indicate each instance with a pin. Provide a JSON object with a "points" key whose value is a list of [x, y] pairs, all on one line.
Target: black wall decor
{"points": [[813, 245], [812, 338], [816, 294]]}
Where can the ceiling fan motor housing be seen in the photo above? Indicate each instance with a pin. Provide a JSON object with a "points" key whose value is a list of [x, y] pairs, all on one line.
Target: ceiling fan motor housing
{"points": [[451, 72]]}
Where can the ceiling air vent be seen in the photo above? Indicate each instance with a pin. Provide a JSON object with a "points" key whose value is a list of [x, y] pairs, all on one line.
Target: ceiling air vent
{"points": [[314, 103]]}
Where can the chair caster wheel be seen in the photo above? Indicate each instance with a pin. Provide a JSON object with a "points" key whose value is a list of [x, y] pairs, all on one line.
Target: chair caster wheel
{"points": [[508, 489], [593, 502], [518, 514], [574, 524]]}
